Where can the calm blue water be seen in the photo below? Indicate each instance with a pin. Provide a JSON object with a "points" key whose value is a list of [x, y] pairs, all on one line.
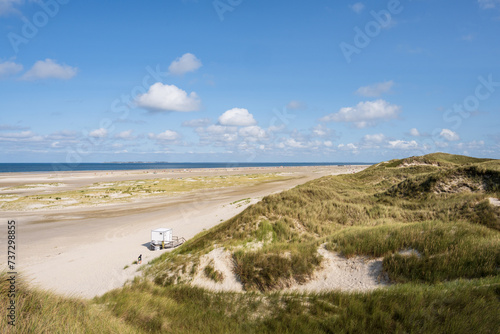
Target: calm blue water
{"points": [[49, 167]]}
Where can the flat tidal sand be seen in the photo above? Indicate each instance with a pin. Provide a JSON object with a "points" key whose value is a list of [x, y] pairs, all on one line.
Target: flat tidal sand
{"points": [[87, 250]]}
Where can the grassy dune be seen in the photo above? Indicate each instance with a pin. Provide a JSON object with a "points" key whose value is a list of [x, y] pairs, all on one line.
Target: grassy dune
{"points": [[436, 205], [456, 232]]}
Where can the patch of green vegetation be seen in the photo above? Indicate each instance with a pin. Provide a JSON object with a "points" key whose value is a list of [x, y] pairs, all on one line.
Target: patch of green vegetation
{"points": [[473, 178], [45, 312], [213, 274], [447, 250], [275, 267], [240, 200], [438, 159]]}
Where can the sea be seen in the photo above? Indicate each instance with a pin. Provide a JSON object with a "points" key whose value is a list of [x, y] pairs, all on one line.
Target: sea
{"points": [[57, 167]]}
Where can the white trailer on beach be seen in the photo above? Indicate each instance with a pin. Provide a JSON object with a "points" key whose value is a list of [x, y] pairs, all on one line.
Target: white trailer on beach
{"points": [[162, 238]]}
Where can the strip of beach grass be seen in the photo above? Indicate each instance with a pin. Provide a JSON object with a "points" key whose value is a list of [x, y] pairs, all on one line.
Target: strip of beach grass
{"points": [[455, 307], [462, 306], [122, 191], [38, 311]]}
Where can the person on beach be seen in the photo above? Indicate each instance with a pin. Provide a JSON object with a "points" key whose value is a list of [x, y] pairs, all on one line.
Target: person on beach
{"points": [[139, 260]]}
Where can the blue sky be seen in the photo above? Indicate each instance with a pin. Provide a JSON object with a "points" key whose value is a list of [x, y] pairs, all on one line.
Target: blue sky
{"points": [[248, 81]]}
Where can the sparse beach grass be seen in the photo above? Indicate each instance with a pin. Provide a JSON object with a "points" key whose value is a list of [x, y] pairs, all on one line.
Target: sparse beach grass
{"points": [[34, 186], [122, 191], [461, 306]]}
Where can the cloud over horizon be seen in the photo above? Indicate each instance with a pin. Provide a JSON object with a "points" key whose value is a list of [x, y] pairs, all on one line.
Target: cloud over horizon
{"points": [[162, 97], [184, 64], [237, 117], [99, 133], [50, 69], [376, 89], [365, 114], [167, 135], [449, 135], [9, 68]]}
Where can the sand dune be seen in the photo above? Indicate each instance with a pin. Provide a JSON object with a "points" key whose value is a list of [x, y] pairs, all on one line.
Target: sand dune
{"points": [[85, 251]]}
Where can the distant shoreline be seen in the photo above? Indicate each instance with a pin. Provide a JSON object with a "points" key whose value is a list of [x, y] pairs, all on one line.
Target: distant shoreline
{"points": [[29, 168]]}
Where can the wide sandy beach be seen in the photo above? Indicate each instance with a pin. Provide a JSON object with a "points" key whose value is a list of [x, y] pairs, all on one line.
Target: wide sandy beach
{"points": [[86, 251]]}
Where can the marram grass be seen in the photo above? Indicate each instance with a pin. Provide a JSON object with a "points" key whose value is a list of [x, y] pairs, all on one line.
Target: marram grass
{"points": [[436, 205]]}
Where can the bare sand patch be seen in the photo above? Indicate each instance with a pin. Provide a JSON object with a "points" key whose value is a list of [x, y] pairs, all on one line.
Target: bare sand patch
{"points": [[339, 273], [336, 273], [410, 252], [494, 201], [222, 262]]}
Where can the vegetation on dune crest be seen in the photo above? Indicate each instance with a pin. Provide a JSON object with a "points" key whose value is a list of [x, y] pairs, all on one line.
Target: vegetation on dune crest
{"points": [[436, 205], [377, 212]]}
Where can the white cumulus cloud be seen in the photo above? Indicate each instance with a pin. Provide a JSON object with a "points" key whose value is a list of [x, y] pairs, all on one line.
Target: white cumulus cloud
{"points": [[99, 133], [375, 90], [349, 146], [449, 135], [162, 97], [217, 135], [322, 131], [48, 68], [403, 145], [237, 117], [125, 135], [294, 143], [167, 135], [414, 132], [365, 114], [253, 132], [376, 138], [187, 63], [9, 68]]}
